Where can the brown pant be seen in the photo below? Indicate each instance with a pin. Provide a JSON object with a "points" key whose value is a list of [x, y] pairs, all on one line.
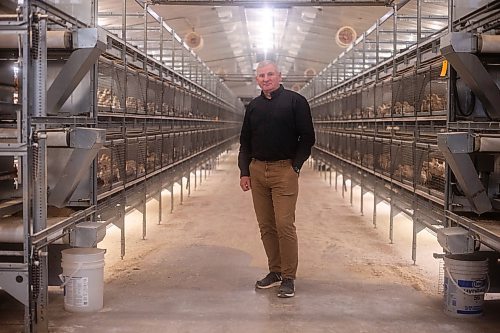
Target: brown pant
{"points": [[275, 187]]}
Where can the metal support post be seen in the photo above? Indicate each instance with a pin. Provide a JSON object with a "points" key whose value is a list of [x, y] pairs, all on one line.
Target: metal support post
{"points": [[351, 194], [361, 197], [182, 192], [414, 241], [160, 213], [195, 178], [172, 198], [144, 216]]}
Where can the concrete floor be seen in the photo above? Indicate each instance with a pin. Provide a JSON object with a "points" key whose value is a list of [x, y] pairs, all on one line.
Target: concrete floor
{"points": [[196, 271]]}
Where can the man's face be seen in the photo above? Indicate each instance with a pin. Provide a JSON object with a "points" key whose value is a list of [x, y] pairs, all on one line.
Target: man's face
{"points": [[268, 78]]}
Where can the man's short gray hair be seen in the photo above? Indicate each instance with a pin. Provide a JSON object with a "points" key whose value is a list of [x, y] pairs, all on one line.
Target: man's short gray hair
{"points": [[267, 62]]}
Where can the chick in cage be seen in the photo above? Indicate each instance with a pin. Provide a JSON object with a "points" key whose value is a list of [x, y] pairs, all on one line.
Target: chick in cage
{"points": [[432, 169], [383, 110], [104, 97], [433, 102], [407, 108], [150, 161], [104, 174], [405, 171], [384, 161], [116, 103], [130, 168], [368, 160], [131, 103], [367, 112]]}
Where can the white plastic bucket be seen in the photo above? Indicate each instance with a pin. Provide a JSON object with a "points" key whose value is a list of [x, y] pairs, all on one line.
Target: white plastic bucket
{"points": [[465, 283], [83, 279]]}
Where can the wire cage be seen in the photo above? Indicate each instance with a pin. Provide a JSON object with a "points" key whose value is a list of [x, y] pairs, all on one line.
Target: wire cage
{"points": [[104, 168], [177, 101], [131, 153], [176, 147], [132, 92], [367, 149], [105, 86], [337, 109], [404, 163], [382, 156], [167, 156], [143, 93], [403, 98], [368, 102], [422, 168], [320, 112], [118, 162], [436, 171], [167, 104], [151, 153], [153, 101], [434, 92], [189, 143], [187, 104], [322, 138], [358, 104], [383, 99], [347, 146], [356, 155], [141, 156]]}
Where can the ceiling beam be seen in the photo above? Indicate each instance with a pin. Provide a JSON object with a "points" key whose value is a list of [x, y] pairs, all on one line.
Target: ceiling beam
{"points": [[281, 4]]}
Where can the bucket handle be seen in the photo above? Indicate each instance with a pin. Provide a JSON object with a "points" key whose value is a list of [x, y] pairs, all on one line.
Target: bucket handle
{"points": [[65, 280], [465, 291]]}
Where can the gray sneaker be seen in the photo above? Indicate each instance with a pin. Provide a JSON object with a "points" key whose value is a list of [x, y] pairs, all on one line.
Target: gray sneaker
{"points": [[287, 288], [271, 280]]}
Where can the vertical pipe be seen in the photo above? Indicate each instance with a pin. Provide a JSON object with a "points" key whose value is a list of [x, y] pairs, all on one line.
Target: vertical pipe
{"points": [[40, 173], [414, 241], [160, 213], [395, 38], [391, 223], [195, 178], [122, 233], [377, 48], [419, 31], [144, 216], [361, 198], [182, 191], [352, 187], [172, 198]]}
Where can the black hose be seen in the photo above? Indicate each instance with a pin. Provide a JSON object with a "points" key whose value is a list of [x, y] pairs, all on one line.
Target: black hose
{"points": [[470, 107]]}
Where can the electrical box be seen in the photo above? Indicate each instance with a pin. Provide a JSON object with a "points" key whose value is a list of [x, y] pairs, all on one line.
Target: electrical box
{"points": [[456, 240]]}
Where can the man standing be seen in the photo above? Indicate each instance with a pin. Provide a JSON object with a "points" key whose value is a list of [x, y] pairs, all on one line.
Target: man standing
{"points": [[276, 139]]}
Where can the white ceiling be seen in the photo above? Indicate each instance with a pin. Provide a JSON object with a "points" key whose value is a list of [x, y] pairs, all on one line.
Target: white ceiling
{"points": [[235, 38], [300, 36]]}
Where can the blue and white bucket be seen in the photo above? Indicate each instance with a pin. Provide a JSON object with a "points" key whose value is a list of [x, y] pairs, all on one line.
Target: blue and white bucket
{"points": [[465, 283]]}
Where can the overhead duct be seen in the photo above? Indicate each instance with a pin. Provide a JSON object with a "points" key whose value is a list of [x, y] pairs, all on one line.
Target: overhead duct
{"points": [[57, 39], [70, 155]]}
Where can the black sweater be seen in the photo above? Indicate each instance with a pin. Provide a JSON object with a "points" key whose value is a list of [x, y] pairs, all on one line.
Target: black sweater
{"points": [[275, 129]]}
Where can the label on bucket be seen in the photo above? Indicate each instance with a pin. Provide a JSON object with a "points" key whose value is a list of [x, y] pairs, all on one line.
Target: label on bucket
{"points": [[76, 291]]}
